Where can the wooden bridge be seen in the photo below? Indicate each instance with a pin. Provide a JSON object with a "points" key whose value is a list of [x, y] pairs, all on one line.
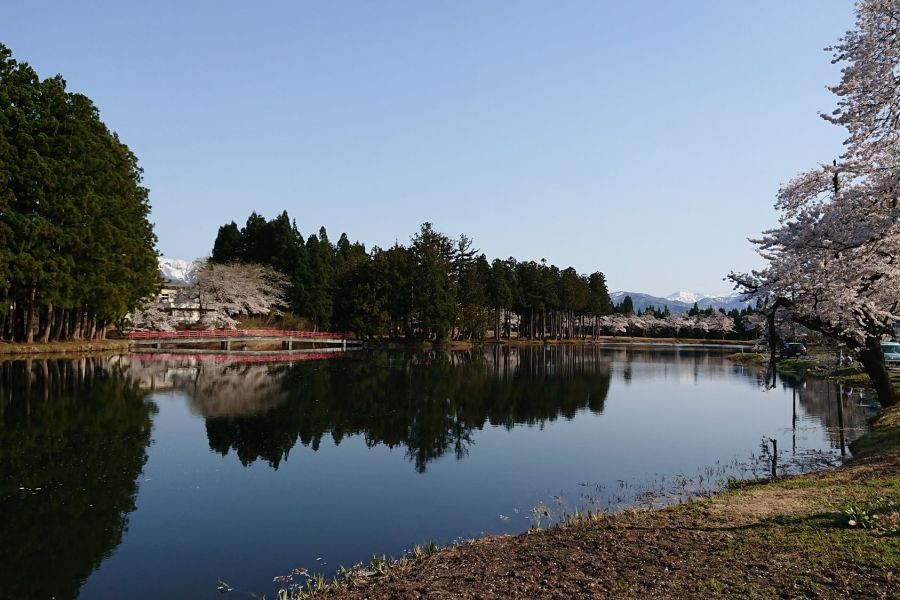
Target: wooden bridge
{"points": [[238, 338]]}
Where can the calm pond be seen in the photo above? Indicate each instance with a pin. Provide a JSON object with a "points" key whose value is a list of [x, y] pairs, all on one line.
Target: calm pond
{"points": [[148, 476]]}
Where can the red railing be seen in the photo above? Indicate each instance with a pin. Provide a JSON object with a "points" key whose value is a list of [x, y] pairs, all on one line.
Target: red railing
{"points": [[233, 333], [235, 358]]}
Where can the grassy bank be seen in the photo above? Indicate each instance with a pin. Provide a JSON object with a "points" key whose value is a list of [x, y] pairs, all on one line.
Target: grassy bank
{"points": [[14, 350], [821, 365], [834, 534]]}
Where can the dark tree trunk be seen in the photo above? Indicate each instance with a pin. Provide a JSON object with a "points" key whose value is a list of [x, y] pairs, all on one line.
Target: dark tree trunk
{"points": [[872, 360], [58, 322], [773, 343], [29, 318], [62, 328], [18, 323], [48, 323], [76, 325], [42, 322]]}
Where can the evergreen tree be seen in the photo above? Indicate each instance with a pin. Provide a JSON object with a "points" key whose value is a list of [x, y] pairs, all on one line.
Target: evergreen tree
{"points": [[500, 293], [433, 290], [227, 247], [76, 245]]}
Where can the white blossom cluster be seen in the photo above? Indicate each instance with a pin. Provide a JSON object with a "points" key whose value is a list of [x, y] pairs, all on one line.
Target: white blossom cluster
{"points": [[226, 291], [153, 317], [677, 323], [222, 292], [834, 260]]}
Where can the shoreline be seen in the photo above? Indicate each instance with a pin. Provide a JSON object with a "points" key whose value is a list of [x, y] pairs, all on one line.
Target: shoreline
{"points": [[15, 350], [814, 366], [827, 534], [610, 341]]}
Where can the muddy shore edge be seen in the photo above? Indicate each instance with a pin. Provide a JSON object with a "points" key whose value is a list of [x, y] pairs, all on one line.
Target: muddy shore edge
{"points": [[831, 534]]}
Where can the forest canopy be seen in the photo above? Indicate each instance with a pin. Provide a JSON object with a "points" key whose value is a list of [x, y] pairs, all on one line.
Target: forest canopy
{"points": [[436, 287], [77, 250]]}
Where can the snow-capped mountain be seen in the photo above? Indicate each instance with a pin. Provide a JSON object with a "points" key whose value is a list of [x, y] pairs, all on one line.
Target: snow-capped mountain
{"points": [[680, 301], [174, 270], [686, 297]]}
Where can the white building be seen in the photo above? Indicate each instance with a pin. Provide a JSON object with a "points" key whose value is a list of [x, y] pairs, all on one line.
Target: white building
{"points": [[181, 301]]}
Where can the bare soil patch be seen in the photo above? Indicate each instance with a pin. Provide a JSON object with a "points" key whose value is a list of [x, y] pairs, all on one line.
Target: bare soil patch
{"points": [[787, 538]]}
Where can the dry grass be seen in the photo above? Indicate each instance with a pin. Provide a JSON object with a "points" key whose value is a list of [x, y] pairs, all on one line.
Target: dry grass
{"points": [[787, 538], [16, 350]]}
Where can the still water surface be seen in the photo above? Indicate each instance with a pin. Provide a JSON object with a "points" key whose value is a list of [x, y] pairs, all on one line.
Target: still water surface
{"points": [[153, 476]]}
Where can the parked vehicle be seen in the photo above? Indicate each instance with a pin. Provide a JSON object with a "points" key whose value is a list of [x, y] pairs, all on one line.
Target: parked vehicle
{"points": [[793, 350], [891, 351]]}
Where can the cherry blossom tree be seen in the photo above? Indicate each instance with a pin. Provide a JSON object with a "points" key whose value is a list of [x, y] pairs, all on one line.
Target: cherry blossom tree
{"points": [[648, 324], [833, 263], [226, 291], [153, 316], [223, 293]]}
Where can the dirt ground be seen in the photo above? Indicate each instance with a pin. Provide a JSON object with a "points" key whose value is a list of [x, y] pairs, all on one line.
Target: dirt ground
{"points": [[789, 538]]}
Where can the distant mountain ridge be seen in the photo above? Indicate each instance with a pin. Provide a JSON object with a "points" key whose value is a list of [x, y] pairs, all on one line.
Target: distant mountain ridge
{"points": [[681, 301]]}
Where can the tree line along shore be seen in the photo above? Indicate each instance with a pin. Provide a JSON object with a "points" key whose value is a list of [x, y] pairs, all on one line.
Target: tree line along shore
{"points": [[78, 252], [442, 288]]}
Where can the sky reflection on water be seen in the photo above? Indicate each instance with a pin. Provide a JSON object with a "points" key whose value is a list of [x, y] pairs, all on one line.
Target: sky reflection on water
{"points": [[253, 469]]}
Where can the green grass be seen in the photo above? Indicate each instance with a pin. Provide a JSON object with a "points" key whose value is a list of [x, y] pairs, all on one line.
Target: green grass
{"points": [[797, 365], [749, 358], [826, 537], [884, 437], [877, 442], [850, 376], [713, 586]]}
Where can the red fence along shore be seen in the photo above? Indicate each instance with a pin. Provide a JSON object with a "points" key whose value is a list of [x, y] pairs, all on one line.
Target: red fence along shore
{"points": [[235, 333]]}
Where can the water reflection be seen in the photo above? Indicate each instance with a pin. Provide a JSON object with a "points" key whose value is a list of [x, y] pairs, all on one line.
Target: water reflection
{"points": [[837, 409], [428, 403], [73, 440], [431, 403]]}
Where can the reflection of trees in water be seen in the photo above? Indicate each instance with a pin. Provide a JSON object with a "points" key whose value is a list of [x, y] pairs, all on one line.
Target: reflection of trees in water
{"points": [[430, 403], [73, 439], [214, 389], [645, 362], [835, 406]]}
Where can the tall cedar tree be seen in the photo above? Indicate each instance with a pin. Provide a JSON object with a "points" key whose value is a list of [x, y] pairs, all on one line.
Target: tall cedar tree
{"points": [[76, 245]]}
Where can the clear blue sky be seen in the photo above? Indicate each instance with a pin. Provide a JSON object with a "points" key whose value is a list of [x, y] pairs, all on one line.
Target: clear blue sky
{"points": [[644, 139]]}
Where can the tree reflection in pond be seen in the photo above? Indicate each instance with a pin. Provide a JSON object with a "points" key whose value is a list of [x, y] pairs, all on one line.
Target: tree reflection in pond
{"points": [[74, 438], [73, 441], [428, 403]]}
